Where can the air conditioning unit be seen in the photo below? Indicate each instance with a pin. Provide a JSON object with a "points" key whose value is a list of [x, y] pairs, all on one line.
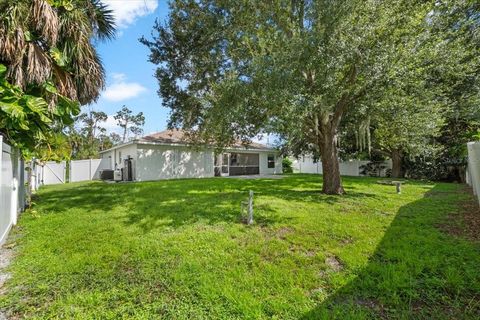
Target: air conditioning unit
{"points": [[106, 174], [117, 175]]}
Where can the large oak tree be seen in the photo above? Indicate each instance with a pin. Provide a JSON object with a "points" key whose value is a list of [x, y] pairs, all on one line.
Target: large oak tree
{"points": [[232, 69]]}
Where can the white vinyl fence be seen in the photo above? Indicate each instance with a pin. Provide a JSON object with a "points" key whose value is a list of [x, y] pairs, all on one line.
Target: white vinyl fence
{"points": [[52, 172], [14, 174], [306, 164], [83, 170], [473, 169], [12, 188]]}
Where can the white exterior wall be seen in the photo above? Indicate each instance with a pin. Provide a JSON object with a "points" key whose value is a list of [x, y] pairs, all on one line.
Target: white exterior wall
{"points": [[108, 155], [156, 162], [118, 155], [264, 169]]}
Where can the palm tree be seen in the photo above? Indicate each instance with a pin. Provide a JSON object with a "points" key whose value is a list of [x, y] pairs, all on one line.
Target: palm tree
{"points": [[50, 42]]}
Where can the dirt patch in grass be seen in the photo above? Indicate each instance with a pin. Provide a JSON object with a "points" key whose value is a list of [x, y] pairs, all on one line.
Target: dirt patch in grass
{"points": [[378, 309], [465, 222], [333, 263], [302, 251], [279, 233], [346, 241], [372, 305], [283, 231]]}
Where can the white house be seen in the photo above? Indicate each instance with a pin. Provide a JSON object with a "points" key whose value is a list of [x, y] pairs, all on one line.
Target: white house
{"points": [[166, 155]]}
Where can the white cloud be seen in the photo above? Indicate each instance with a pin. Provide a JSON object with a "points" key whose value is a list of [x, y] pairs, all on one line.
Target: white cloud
{"points": [[120, 89], [119, 77], [127, 11], [111, 124]]}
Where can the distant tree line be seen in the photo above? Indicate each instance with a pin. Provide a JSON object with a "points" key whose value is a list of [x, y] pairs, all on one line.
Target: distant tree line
{"points": [[88, 136]]}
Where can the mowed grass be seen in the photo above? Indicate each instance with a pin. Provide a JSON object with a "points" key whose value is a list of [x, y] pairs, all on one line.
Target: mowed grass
{"points": [[177, 250]]}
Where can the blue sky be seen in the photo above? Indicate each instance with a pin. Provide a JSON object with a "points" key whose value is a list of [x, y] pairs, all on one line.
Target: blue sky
{"points": [[130, 79]]}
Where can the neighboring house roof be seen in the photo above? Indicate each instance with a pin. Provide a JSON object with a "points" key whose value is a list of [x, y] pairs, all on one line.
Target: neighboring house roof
{"points": [[176, 137]]}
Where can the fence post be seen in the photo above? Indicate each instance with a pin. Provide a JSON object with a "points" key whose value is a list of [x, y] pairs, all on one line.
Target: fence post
{"points": [[21, 183], [14, 197], [1, 172], [250, 208], [90, 175], [1, 155], [473, 149]]}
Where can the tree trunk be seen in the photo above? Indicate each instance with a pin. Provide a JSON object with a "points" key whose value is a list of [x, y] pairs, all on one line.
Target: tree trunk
{"points": [[462, 174], [124, 134], [397, 160], [332, 182]]}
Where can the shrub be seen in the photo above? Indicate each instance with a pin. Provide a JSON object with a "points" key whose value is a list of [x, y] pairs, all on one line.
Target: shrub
{"points": [[373, 168], [287, 165]]}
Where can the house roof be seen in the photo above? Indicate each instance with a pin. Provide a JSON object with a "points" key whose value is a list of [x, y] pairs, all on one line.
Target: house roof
{"points": [[176, 136]]}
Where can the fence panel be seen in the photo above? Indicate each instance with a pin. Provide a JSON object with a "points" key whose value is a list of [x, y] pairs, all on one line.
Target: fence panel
{"points": [[12, 193], [6, 191], [473, 171], [350, 168], [306, 164], [53, 172], [83, 170]]}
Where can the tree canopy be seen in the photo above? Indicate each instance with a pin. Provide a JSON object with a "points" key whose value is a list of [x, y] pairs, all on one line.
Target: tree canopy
{"points": [[129, 122], [230, 70]]}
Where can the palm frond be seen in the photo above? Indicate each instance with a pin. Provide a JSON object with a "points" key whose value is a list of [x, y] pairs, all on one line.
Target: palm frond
{"points": [[103, 20], [17, 74], [45, 20], [38, 64], [42, 40], [12, 43], [90, 74], [74, 25], [64, 83]]}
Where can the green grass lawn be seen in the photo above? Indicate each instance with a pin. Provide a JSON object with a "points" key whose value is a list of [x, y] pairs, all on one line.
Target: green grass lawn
{"points": [[177, 250]]}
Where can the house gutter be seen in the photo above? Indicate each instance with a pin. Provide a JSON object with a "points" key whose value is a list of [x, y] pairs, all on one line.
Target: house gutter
{"points": [[119, 146], [183, 145], [207, 146]]}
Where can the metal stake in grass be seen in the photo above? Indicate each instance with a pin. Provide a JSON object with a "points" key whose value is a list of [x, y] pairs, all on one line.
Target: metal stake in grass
{"points": [[250, 208], [398, 185], [247, 209]]}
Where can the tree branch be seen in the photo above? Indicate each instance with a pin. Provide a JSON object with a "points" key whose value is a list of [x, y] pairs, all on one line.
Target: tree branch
{"points": [[342, 104]]}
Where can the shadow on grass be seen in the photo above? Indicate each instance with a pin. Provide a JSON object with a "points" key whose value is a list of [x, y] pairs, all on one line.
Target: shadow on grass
{"points": [[169, 203], [417, 271]]}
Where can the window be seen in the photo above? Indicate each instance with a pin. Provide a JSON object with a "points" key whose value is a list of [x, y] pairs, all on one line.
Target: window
{"points": [[233, 159], [225, 163], [120, 156], [271, 161]]}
